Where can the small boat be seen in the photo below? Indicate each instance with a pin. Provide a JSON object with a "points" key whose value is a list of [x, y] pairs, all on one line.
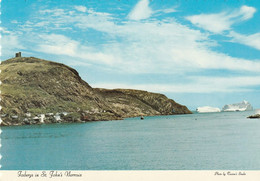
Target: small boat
{"points": [[142, 117]]}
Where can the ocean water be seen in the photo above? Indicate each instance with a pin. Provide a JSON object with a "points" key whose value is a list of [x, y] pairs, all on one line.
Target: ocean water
{"points": [[209, 141]]}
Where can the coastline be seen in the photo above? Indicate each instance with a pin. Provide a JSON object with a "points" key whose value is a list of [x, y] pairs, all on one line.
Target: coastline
{"points": [[37, 91]]}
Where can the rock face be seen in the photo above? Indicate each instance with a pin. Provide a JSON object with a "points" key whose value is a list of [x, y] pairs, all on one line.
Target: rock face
{"points": [[32, 87], [206, 109], [243, 106]]}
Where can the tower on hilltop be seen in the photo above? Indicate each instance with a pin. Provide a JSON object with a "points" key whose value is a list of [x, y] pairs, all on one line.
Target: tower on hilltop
{"points": [[19, 54]]}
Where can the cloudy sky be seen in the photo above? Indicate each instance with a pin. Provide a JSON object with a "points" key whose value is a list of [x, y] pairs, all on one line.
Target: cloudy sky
{"points": [[197, 52]]}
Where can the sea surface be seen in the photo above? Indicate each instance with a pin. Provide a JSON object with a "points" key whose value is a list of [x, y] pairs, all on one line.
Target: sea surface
{"points": [[206, 141]]}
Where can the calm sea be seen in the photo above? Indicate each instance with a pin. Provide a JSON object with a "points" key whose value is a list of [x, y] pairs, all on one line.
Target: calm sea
{"points": [[206, 141]]}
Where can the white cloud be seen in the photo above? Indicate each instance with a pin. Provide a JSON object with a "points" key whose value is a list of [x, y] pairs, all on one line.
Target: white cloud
{"points": [[53, 12], [4, 30], [196, 85], [212, 22], [219, 22], [62, 45], [132, 46], [250, 40], [57, 44], [182, 49], [164, 11], [141, 11], [246, 12], [10, 42], [169, 10], [81, 8]]}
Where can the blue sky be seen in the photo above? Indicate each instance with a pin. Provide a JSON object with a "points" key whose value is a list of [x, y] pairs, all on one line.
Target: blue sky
{"points": [[199, 53]]}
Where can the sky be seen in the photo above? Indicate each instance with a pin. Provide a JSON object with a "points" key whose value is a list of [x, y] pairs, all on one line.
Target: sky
{"points": [[196, 52]]}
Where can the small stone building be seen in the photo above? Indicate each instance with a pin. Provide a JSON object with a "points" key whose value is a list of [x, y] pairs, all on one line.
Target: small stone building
{"points": [[19, 54]]}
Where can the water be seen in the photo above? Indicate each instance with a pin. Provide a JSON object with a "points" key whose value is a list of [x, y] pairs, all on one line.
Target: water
{"points": [[209, 141]]}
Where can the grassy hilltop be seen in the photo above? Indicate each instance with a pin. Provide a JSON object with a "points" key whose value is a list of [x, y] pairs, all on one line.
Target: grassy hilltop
{"points": [[36, 86]]}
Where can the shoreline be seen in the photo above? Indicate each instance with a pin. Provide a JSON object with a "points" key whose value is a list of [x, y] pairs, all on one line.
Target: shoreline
{"points": [[4, 123]]}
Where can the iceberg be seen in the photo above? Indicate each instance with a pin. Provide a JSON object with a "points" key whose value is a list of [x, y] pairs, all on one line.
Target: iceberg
{"points": [[205, 109], [243, 106]]}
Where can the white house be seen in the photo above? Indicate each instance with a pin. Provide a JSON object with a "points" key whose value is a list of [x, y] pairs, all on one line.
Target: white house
{"points": [[42, 117], [14, 117], [36, 118], [57, 117]]}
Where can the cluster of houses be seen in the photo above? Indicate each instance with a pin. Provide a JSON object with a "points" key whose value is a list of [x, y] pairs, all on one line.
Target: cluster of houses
{"points": [[40, 118], [29, 118]]}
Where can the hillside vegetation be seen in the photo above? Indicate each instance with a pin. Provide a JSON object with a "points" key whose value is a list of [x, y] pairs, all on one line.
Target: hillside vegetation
{"points": [[36, 86]]}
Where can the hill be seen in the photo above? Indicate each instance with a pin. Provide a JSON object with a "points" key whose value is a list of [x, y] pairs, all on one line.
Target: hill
{"points": [[35, 90]]}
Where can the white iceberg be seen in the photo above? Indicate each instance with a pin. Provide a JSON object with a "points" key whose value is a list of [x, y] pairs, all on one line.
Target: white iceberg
{"points": [[243, 106], [205, 109]]}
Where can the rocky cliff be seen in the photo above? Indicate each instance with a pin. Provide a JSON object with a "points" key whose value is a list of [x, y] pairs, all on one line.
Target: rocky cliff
{"points": [[35, 90]]}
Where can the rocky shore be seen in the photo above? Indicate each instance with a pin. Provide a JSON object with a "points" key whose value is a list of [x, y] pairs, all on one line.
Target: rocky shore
{"points": [[48, 118]]}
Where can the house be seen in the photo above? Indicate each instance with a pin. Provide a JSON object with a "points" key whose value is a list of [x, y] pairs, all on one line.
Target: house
{"points": [[42, 117], [14, 117], [36, 118], [57, 117], [64, 113]]}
